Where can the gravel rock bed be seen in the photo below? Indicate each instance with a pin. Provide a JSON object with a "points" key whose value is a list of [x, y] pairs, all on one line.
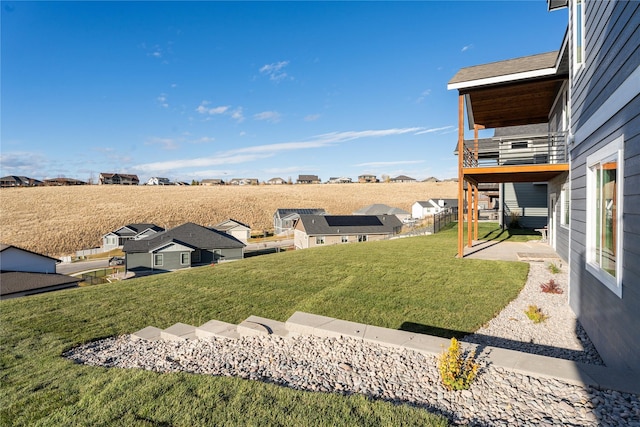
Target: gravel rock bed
{"points": [[561, 335], [346, 365]]}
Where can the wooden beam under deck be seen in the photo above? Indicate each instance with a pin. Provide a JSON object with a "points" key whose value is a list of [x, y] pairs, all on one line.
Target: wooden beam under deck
{"points": [[519, 173]]}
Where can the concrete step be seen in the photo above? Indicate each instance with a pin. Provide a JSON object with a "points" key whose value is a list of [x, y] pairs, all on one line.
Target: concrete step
{"points": [[179, 332], [150, 333], [255, 325], [322, 326], [216, 328]]}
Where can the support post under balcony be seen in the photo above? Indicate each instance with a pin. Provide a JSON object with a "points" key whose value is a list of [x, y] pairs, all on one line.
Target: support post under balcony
{"points": [[460, 176]]}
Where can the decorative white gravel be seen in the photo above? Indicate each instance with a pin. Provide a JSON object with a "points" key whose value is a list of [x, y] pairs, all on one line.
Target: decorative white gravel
{"points": [[346, 365]]}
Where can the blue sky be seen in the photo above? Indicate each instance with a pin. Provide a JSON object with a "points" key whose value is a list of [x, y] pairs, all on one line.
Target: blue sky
{"points": [[193, 90]]}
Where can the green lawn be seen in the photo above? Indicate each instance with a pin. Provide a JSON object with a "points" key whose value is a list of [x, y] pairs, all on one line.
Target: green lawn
{"points": [[414, 284]]}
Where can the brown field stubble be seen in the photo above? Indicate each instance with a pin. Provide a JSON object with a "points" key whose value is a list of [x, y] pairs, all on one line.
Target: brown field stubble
{"points": [[61, 220]]}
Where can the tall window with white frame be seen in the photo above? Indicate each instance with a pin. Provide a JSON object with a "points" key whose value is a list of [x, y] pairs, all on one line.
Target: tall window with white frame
{"points": [[604, 214], [565, 214], [578, 32]]}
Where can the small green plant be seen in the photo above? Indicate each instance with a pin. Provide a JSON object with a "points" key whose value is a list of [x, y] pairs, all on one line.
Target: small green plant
{"points": [[535, 314], [515, 220], [554, 268], [457, 370], [551, 287]]}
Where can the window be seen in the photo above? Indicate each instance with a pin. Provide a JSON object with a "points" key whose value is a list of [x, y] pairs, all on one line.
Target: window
{"points": [[578, 32], [564, 206], [157, 260], [362, 238], [184, 258], [604, 214], [319, 240], [345, 239], [519, 145]]}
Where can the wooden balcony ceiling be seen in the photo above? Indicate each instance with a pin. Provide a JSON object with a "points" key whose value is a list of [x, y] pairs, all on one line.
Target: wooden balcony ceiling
{"points": [[513, 104], [514, 92], [518, 173]]}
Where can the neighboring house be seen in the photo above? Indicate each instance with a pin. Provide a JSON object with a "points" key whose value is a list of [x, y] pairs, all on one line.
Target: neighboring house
{"points": [[237, 229], [115, 239], [19, 181], [319, 230], [24, 272], [212, 182], [58, 182], [339, 180], [587, 90], [284, 219], [308, 179], [276, 181], [118, 179], [402, 178], [364, 179], [380, 209], [244, 181], [187, 245], [420, 209], [156, 180]]}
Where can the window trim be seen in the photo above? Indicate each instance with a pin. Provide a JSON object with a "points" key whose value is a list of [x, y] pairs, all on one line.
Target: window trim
{"points": [[320, 240], [615, 149], [578, 23], [565, 205], [158, 264], [182, 254]]}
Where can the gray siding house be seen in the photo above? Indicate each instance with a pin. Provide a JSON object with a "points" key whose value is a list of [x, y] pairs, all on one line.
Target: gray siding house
{"points": [[184, 246], [589, 94], [115, 239]]}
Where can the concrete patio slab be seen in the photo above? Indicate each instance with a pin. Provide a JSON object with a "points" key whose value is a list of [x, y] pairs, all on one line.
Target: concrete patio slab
{"points": [[510, 251], [150, 333], [179, 332]]}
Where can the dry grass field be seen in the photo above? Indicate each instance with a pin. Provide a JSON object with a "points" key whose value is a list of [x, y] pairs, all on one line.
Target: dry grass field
{"points": [[61, 220]]}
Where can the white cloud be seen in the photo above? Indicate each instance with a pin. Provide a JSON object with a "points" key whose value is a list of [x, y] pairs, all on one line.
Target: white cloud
{"points": [[432, 130], [249, 154], [275, 71], [270, 116], [203, 140], [467, 47], [423, 95], [237, 115], [204, 109], [162, 100], [312, 117]]}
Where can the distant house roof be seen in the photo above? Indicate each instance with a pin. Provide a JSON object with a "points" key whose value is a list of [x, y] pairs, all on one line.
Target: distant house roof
{"points": [[229, 224], [63, 181], [490, 146], [16, 283], [300, 211], [308, 178], [380, 209], [447, 203], [189, 234], [402, 178], [18, 181], [134, 229], [349, 224]]}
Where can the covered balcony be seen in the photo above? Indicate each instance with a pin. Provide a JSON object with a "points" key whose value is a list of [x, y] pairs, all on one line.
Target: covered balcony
{"points": [[515, 94]]}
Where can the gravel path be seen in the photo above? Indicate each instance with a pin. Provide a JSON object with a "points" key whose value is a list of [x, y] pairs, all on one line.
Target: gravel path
{"points": [[346, 365]]}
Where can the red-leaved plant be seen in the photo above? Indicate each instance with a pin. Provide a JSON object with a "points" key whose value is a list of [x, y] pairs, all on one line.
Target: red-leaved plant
{"points": [[551, 287]]}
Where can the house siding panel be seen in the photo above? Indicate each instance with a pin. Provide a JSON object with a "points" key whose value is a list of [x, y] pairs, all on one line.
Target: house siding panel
{"points": [[530, 201], [562, 232]]}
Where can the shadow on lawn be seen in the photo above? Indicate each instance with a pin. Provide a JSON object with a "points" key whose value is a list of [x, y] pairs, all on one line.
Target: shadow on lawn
{"points": [[500, 235]]}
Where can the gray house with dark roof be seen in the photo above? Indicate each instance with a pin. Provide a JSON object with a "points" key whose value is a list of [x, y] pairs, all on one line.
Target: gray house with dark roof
{"points": [[320, 230], [184, 246], [115, 239]]}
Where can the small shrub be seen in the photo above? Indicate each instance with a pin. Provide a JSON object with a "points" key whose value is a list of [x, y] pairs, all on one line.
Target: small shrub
{"points": [[457, 370], [535, 314], [515, 220], [554, 268], [551, 287]]}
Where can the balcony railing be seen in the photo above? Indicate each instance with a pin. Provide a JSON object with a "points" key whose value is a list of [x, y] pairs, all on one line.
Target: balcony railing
{"points": [[517, 150]]}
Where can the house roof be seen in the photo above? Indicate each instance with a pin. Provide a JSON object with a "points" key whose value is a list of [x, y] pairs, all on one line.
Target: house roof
{"points": [[380, 209], [489, 146], [229, 224], [134, 229], [349, 224], [4, 246], [448, 203], [280, 213], [188, 234], [512, 92], [308, 178], [402, 178], [19, 281]]}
